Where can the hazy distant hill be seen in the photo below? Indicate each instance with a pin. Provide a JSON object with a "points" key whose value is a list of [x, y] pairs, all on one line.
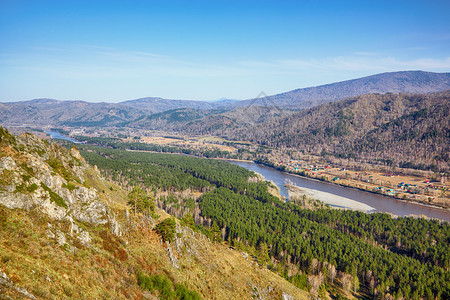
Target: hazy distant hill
{"points": [[55, 112], [81, 113], [160, 104], [395, 82]]}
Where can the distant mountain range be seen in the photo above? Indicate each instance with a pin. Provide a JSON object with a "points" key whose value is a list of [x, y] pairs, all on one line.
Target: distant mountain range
{"points": [[394, 82], [141, 112]]}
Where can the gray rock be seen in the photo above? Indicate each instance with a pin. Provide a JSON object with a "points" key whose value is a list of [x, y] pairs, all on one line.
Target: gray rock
{"points": [[61, 238], [172, 257], [85, 238], [286, 296], [113, 224], [7, 163], [5, 281]]}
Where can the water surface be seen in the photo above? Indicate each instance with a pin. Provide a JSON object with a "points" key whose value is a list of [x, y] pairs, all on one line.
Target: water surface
{"points": [[57, 135], [379, 202]]}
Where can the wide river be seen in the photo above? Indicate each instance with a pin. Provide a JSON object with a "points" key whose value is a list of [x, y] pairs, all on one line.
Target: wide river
{"points": [[379, 202]]}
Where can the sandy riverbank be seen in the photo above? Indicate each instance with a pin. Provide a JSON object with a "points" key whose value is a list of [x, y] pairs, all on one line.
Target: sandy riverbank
{"points": [[328, 198]]}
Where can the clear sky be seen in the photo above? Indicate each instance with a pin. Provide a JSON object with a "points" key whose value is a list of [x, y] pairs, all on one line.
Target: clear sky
{"points": [[204, 50]]}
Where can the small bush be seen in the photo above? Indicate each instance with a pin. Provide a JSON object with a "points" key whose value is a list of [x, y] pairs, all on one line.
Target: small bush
{"points": [[70, 186], [166, 229], [3, 216], [32, 188], [157, 282], [121, 254], [54, 197], [187, 220], [164, 286], [184, 293], [300, 281]]}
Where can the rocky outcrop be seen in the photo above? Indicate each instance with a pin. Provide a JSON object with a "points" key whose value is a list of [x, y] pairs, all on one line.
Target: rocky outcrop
{"points": [[37, 175], [8, 287]]}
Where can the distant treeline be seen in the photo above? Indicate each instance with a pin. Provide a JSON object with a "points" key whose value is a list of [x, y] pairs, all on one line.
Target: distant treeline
{"points": [[116, 143]]}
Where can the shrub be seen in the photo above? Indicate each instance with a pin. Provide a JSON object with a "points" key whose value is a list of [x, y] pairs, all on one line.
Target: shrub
{"points": [[164, 286], [157, 282], [184, 293], [32, 188], [54, 197], [166, 229]]}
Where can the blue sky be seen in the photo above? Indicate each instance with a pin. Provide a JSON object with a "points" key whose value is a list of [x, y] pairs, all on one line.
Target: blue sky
{"points": [[204, 50]]}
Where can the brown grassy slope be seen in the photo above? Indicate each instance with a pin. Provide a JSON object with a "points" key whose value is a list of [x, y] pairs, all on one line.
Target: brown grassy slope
{"points": [[32, 258]]}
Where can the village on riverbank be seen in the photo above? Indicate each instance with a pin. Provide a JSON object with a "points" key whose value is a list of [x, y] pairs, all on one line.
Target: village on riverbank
{"points": [[405, 187]]}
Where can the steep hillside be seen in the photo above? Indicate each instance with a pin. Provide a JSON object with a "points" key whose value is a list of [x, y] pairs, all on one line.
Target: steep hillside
{"points": [[65, 232], [399, 129], [394, 82]]}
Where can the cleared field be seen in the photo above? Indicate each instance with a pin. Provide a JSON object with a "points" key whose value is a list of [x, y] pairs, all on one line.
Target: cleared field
{"points": [[159, 140], [208, 142]]}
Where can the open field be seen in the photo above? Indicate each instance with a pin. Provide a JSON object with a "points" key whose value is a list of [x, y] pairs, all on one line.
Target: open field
{"points": [[196, 143]]}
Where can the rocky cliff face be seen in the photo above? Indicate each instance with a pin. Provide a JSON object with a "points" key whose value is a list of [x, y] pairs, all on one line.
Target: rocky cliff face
{"points": [[67, 233], [38, 175]]}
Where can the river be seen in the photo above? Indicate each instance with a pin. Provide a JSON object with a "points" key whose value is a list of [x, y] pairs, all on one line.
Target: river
{"points": [[379, 202], [57, 135]]}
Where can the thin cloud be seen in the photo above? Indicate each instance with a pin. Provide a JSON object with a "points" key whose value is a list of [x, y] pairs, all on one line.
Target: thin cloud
{"points": [[353, 63], [366, 53]]}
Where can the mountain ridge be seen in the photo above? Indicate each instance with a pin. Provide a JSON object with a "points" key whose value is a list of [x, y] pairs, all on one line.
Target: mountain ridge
{"points": [[45, 111], [394, 82]]}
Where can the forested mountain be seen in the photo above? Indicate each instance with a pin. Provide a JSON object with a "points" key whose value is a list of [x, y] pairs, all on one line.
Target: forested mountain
{"points": [[394, 82], [171, 119], [400, 128]]}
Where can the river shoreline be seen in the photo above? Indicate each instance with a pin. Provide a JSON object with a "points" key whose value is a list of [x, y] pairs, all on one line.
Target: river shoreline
{"points": [[385, 204], [333, 200], [336, 184], [348, 186]]}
